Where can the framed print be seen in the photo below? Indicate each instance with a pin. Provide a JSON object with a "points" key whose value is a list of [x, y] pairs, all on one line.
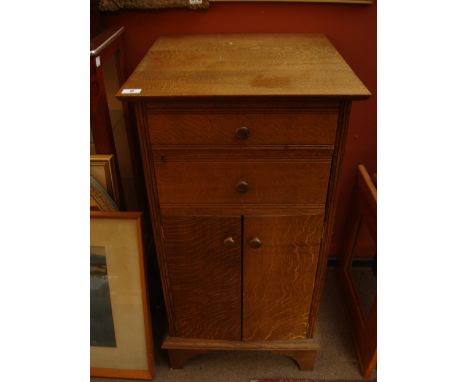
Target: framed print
{"points": [[121, 336], [100, 200], [102, 168]]}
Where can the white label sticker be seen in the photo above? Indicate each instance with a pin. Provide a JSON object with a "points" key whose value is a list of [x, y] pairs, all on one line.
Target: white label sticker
{"points": [[196, 1], [98, 61], [131, 91]]}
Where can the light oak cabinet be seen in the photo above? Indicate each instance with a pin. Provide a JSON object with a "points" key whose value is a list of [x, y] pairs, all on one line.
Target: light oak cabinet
{"points": [[204, 266], [280, 262], [241, 141]]}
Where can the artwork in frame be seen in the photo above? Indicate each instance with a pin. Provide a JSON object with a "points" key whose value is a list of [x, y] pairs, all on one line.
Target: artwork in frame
{"points": [[102, 324], [121, 343], [102, 168], [100, 200]]}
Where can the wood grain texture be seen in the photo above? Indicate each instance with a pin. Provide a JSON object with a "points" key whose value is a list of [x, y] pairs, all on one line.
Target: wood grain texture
{"points": [[330, 213], [121, 373], [265, 128], [279, 276], [286, 152], [152, 192], [181, 350], [294, 91], [244, 65], [305, 359], [204, 275], [236, 209], [247, 105], [193, 343], [269, 182]]}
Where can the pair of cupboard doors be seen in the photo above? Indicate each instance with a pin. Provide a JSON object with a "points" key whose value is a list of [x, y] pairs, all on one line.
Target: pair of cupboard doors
{"points": [[246, 278], [241, 140]]}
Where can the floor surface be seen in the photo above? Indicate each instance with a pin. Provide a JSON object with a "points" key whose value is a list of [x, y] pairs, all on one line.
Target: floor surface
{"points": [[335, 360]]}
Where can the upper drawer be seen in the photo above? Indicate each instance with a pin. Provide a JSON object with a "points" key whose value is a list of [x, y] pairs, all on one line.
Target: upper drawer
{"points": [[243, 126], [243, 182]]}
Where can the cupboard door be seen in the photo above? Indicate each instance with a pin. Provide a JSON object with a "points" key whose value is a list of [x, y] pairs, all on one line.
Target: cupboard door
{"points": [[204, 263], [280, 261]]}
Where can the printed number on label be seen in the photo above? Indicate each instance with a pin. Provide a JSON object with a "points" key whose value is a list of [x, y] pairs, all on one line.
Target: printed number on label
{"points": [[131, 91]]}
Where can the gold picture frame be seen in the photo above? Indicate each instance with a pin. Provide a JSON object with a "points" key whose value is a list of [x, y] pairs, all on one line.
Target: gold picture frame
{"points": [[121, 335], [100, 200], [103, 169]]}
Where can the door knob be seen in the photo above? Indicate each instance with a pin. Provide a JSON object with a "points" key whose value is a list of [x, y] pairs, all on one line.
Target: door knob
{"points": [[255, 242], [229, 242], [242, 187], [242, 132]]}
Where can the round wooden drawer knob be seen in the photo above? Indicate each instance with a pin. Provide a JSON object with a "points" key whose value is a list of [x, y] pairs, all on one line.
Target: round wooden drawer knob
{"points": [[255, 242], [242, 187], [229, 242], [242, 132]]}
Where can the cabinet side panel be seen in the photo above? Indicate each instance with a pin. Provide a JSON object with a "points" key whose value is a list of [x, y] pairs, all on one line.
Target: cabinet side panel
{"points": [[279, 275], [204, 275], [330, 212]]}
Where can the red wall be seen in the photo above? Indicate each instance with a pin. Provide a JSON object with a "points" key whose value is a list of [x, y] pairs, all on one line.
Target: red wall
{"points": [[351, 28]]}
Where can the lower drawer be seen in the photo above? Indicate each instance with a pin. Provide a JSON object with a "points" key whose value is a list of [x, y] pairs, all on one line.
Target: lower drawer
{"points": [[243, 182]]}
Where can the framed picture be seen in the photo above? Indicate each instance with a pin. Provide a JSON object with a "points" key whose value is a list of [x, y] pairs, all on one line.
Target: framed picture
{"points": [[100, 200], [102, 168], [121, 335]]}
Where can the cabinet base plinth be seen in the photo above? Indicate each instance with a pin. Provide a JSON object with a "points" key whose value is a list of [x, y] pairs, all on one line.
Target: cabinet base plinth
{"points": [[181, 350]]}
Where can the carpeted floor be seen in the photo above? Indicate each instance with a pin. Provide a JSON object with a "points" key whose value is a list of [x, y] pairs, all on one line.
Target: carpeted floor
{"points": [[335, 361]]}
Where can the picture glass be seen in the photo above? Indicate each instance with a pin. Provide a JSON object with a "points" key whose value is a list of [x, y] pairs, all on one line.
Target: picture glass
{"points": [[118, 332], [102, 323]]}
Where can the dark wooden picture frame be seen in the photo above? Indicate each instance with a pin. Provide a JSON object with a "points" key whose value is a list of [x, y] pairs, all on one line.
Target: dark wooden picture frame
{"points": [[364, 211]]}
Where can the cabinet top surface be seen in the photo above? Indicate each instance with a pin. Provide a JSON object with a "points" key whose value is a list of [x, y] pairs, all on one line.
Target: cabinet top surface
{"points": [[243, 65]]}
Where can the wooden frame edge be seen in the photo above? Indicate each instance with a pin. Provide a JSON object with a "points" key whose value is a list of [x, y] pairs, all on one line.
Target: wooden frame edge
{"points": [[363, 209], [123, 373], [108, 161]]}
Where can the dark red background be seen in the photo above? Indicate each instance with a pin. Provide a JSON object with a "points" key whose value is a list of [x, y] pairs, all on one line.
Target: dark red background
{"points": [[351, 28]]}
